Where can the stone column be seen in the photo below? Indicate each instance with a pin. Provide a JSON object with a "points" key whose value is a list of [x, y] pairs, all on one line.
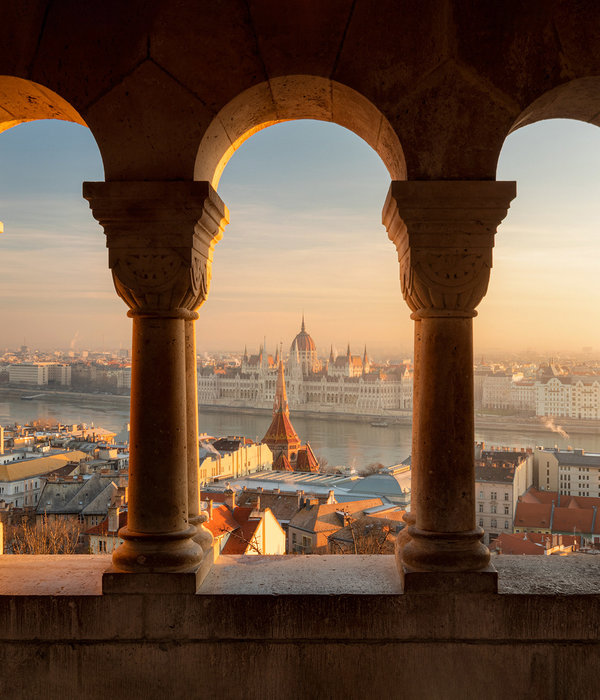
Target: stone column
{"points": [[444, 234], [160, 237]]}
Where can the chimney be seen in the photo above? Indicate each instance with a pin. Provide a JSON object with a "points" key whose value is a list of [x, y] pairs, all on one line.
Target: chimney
{"points": [[113, 520], [210, 509], [257, 506], [331, 496]]}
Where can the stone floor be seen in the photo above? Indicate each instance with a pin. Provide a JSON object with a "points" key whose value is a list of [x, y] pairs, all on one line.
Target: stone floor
{"points": [[285, 575]]}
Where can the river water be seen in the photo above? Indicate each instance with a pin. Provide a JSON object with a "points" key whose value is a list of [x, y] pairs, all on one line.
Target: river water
{"points": [[339, 442]]}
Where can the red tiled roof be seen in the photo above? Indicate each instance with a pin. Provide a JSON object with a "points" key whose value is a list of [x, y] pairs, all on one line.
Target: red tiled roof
{"points": [[281, 431], [573, 520], [306, 460], [533, 515], [241, 538], [282, 464], [222, 521], [518, 544]]}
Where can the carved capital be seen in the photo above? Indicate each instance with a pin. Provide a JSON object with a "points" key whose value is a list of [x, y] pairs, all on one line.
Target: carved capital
{"points": [[444, 234], [160, 237]]}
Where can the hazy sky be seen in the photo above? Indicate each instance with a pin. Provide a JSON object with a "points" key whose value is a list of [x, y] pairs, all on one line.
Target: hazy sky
{"points": [[305, 235]]}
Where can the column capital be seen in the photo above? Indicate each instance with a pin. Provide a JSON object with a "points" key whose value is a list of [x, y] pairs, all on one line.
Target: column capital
{"points": [[160, 237], [444, 234]]}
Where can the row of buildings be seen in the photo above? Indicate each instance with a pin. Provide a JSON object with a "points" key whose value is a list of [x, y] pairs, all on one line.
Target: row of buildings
{"points": [[552, 393]]}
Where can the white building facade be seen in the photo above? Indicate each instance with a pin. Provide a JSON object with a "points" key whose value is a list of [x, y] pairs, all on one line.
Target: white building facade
{"points": [[346, 384]]}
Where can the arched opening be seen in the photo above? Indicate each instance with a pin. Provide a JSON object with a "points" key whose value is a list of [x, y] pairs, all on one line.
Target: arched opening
{"points": [[305, 236], [537, 342], [55, 288], [295, 97]]}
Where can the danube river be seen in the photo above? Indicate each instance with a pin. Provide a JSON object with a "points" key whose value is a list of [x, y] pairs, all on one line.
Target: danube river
{"points": [[341, 442]]}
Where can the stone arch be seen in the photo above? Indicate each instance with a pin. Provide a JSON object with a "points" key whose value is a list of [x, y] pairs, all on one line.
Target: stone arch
{"points": [[577, 99], [25, 101], [295, 97]]}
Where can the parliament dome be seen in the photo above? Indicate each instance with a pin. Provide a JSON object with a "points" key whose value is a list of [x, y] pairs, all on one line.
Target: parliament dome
{"points": [[303, 342]]}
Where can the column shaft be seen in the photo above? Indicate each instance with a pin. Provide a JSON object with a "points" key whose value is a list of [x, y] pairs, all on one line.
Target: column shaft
{"points": [[444, 442], [157, 536]]}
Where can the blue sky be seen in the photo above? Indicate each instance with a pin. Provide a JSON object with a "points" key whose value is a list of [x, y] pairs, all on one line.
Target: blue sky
{"points": [[305, 235]]}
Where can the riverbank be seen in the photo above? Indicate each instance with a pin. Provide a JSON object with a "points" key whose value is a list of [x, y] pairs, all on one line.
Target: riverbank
{"points": [[39, 393], [483, 422]]}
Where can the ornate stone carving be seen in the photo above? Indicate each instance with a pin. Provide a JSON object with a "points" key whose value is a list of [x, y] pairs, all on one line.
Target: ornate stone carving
{"points": [[444, 235], [161, 237]]}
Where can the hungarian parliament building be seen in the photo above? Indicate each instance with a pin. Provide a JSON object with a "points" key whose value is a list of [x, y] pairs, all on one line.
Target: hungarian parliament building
{"points": [[343, 384]]}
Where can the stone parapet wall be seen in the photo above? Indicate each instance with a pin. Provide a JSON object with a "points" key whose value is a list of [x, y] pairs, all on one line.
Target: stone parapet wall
{"points": [[338, 636]]}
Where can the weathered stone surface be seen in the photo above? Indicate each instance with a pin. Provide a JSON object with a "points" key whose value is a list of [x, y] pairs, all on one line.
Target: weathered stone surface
{"points": [[286, 639], [220, 59], [148, 127], [292, 43]]}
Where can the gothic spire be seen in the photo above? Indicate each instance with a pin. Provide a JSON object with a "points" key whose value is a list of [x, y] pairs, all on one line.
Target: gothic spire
{"points": [[280, 405], [303, 327]]}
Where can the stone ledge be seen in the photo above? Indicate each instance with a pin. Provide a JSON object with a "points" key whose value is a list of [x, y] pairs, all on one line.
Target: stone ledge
{"points": [[73, 575]]}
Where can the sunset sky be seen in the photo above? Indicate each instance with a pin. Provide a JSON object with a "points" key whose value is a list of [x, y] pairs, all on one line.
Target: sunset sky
{"points": [[305, 236]]}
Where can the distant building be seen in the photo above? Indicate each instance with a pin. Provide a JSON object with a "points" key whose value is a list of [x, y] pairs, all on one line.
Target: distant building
{"points": [[501, 476], [40, 374], [311, 526], [231, 458], [571, 472], [23, 474], [85, 499], [243, 530], [104, 538], [344, 384]]}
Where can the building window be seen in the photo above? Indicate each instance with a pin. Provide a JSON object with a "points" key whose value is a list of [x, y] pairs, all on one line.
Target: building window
{"points": [[493, 509], [505, 510], [493, 523], [481, 494], [506, 495], [506, 525], [493, 495], [480, 522], [481, 507]]}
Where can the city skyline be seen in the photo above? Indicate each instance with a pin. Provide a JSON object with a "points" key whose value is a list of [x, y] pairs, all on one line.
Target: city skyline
{"points": [[305, 201]]}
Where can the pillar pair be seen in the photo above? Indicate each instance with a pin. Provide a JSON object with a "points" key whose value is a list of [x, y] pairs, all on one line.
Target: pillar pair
{"points": [[160, 237], [444, 234]]}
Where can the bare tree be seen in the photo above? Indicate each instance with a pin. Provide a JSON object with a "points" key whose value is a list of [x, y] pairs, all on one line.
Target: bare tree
{"points": [[373, 468], [56, 536], [367, 536]]}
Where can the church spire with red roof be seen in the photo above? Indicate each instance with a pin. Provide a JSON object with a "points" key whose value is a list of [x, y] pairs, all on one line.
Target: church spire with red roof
{"points": [[281, 438]]}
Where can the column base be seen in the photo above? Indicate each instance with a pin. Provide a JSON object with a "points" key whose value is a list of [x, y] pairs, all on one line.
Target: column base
{"points": [[169, 583], [483, 581], [444, 551], [157, 553]]}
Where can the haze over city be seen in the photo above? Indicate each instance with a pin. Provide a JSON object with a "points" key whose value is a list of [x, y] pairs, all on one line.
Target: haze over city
{"points": [[305, 200]]}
